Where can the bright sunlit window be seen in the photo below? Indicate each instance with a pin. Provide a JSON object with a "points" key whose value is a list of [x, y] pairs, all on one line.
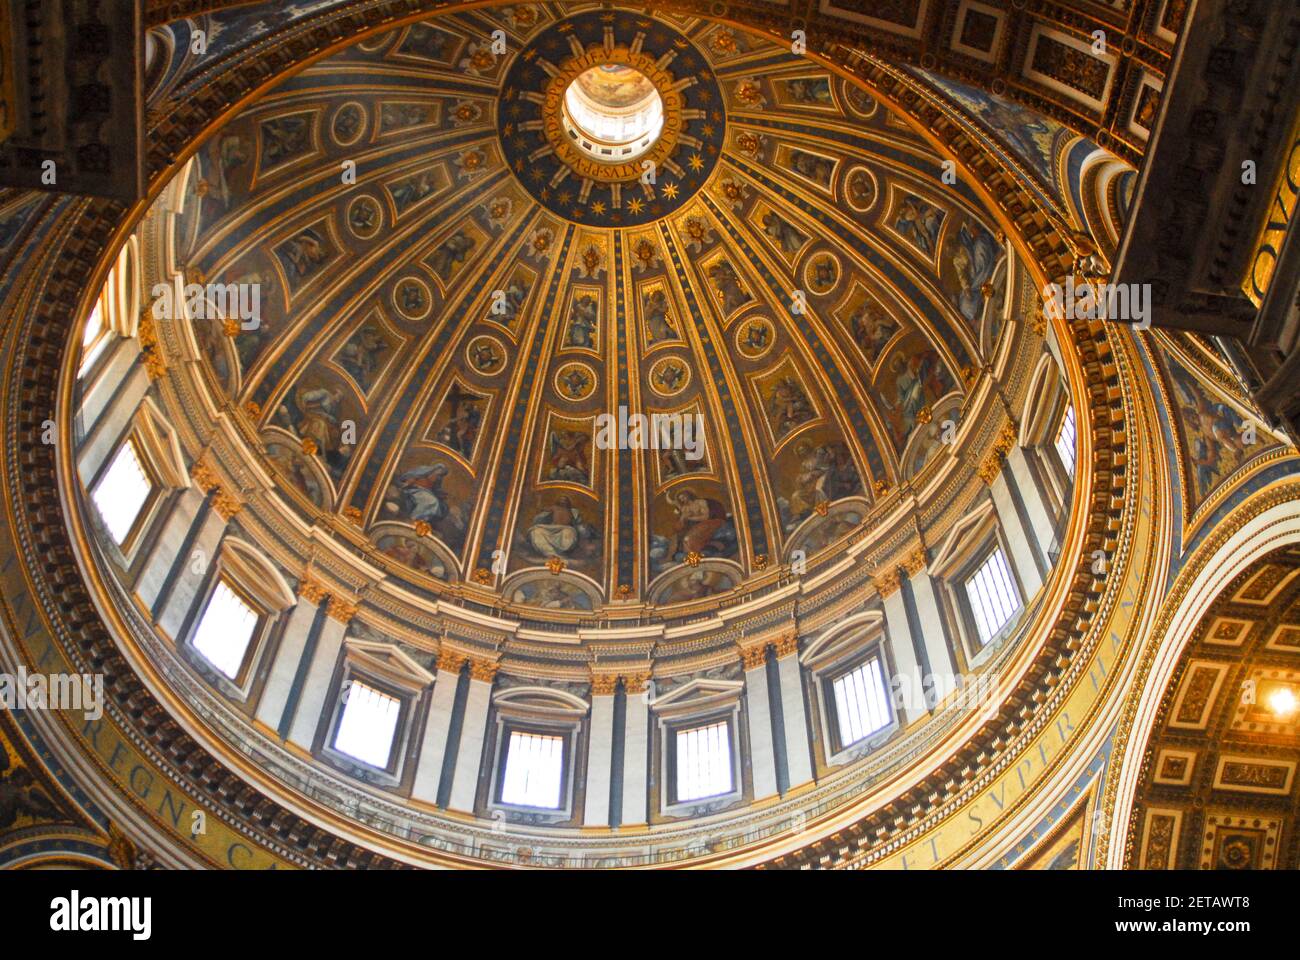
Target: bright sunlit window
{"points": [[703, 762], [860, 702], [122, 492], [368, 725], [534, 770], [225, 630], [992, 595], [1065, 438], [93, 339]]}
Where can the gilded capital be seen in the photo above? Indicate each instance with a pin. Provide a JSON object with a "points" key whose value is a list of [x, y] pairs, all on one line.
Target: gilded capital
{"points": [[786, 644], [311, 590], [604, 684], [154, 363], [485, 670], [991, 466], [754, 655], [635, 682], [226, 503], [887, 583], [145, 331], [915, 561], [451, 661], [204, 477], [341, 610]]}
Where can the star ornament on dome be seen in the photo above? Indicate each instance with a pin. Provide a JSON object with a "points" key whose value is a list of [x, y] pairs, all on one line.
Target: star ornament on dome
{"points": [[671, 190], [696, 162]]}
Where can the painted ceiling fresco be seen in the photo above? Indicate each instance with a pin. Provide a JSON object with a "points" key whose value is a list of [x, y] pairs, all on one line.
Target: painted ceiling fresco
{"points": [[440, 333]]}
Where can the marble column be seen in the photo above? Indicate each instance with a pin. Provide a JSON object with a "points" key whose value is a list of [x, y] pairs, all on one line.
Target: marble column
{"points": [[169, 546], [473, 730], [192, 572], [600, 751], [1017, 537], [762, 753], [907, 686], [798, 754], [636, 749], [1037, 507], [289, 653], [316, 686], [930, 624], [103, 438], [433, 745]]}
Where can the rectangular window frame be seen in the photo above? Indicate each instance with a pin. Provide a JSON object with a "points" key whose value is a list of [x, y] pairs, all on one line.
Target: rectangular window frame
{"points": [[978, 651], [390, 773], [239, 687], [130, 545], [1068, 416], [669, 728], [832, 660], [352, 686], [566, 733], [828, 680], [383, 668]]}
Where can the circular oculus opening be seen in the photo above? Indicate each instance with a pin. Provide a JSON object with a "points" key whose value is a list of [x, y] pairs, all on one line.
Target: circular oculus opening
{"points": [[613, 113]]}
